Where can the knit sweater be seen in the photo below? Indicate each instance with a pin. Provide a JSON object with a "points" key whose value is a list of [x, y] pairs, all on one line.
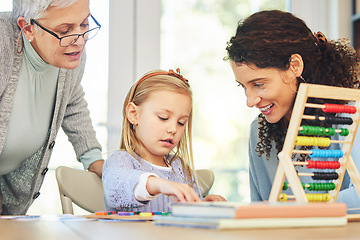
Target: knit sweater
{"points": [[121, 173], [20, 187]]}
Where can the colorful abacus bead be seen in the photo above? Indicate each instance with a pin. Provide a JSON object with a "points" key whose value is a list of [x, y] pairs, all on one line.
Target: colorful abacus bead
{"points": [[325, 176], [320, 153], [344, 132], [321, 186], [283, 197], [337, 120], [336, 108], [323, 164], [312, 141], [318, 197]]}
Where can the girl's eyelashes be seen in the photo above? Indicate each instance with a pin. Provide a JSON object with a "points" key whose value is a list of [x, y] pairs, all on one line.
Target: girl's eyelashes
{"points": [[163, 118], [181, 123], [166, 118]]}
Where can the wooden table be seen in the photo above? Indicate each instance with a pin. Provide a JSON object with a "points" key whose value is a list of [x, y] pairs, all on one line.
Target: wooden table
{"points": [[88, 230]]}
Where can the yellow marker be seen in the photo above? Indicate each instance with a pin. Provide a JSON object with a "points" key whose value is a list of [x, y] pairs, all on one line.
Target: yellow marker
{"points": [[146, 214]]}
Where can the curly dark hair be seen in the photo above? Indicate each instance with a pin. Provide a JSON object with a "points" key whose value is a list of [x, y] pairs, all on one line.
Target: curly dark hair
{"points": [[268, 39]]}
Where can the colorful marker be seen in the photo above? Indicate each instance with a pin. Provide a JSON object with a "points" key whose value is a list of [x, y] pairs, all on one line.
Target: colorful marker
{"points": [[126, 213], [157, 213], [102, 213], [146, 214]]}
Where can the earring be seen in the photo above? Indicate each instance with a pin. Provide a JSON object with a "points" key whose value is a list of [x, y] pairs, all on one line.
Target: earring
{"points": [[18, 43], [19, 51], [30, 40], [302, 79]]}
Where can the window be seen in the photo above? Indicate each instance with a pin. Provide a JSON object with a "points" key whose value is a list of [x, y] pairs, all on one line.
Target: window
{"points": [[194, 34]]}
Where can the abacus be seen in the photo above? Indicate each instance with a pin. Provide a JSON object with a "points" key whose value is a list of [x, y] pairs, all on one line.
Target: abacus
{"points": [[311, 136]]}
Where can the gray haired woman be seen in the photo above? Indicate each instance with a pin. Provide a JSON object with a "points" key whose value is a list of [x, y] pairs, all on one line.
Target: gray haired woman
{"points": [[42, 61]]}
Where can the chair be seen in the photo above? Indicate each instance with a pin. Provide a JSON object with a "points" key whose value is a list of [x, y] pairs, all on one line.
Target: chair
{"points": [[81, 187], [206, 179], [85, 188]]}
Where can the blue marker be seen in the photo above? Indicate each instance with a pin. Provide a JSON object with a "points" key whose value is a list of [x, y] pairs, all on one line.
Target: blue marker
{"points": [[126, 213]]}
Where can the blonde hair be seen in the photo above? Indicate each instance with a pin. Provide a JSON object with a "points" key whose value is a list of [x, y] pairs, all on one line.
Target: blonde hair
{"points": [[138, 93]]}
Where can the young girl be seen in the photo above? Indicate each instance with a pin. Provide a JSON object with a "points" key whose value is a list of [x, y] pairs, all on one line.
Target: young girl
{"points": [[271, 54], [154, 164]]}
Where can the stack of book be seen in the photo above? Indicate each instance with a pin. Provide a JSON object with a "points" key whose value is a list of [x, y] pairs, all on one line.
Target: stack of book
{"points": [[232, 215]]}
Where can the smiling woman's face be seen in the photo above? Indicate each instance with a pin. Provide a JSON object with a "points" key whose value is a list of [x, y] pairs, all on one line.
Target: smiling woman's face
{"points": [[62, 21], [270, 90]]}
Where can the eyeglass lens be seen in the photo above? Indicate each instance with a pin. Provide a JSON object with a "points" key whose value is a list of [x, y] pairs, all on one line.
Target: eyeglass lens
{"points": [[69, 40], [90, 29]]}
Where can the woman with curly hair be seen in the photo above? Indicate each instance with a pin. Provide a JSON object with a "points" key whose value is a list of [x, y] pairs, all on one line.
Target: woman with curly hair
{"points": [[271, 54]]}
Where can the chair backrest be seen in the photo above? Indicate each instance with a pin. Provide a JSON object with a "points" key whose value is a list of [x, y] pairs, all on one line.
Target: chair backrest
{"points": [[85, 188], [81, 187], [206, 179]]}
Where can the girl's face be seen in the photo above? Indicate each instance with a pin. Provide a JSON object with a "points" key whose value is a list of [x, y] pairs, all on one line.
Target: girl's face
{"points": [[270, 90], [62, 21], [161, 122]]}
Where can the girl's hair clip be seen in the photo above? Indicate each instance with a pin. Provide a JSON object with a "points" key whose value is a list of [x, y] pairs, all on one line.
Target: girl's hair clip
{"points": [[320, 37], [171, 73], [177, 74]]}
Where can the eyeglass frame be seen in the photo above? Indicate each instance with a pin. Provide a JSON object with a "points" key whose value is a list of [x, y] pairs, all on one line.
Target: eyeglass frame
{"points": [[32, 21]]}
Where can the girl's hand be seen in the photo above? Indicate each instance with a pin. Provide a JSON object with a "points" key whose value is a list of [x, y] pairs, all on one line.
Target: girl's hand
{"points": [[214, 198], [178, 192]]}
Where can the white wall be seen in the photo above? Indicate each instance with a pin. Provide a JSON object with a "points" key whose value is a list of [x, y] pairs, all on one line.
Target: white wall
{"points": [[134, 47], [332, 17]]}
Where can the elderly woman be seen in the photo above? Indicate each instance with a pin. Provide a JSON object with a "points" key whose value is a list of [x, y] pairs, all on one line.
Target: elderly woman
{"points": [[42, 61]]}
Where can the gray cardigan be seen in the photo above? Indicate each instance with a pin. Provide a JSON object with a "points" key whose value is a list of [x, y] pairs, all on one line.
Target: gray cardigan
{"points": [[20, 187]]}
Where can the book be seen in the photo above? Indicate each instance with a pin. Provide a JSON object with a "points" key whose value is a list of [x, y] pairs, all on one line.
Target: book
{"points": [[258, 210], [353, 217], [227, 224]]}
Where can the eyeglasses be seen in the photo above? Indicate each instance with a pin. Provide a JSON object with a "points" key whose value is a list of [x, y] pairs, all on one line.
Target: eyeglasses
{"points": [[71, 39]]}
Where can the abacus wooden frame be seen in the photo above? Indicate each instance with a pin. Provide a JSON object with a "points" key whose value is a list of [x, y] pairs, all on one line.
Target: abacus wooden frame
{"points": [[286, 167]]}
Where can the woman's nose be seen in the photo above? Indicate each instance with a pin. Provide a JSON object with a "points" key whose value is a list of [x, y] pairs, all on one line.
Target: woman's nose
{"points": [[80, 41], [251, 101]]}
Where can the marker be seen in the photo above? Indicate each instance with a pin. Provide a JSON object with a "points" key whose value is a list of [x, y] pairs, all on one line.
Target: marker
{"points": [[126, 213], [146, 214], [101, 213], [157, 213]]}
